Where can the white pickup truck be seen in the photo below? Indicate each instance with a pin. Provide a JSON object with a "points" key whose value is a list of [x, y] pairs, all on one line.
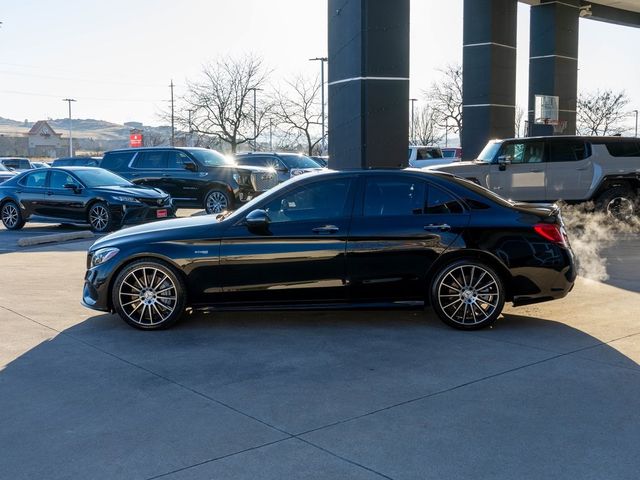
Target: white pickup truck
{"points": [[421, 156]]}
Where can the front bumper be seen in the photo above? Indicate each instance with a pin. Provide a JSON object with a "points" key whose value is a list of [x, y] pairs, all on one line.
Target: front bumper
{"points": [[136, 214], [95, 293]]}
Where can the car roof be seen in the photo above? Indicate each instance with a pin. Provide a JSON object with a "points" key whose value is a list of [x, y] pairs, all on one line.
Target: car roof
{"points": [[590, 138]]}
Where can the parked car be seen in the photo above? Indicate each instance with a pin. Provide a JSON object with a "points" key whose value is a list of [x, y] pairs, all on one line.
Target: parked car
{"points": [[421, 156], [40, 165], [5, 173], [455, 153], [286, 165], [333, 239], [84, 195], [323, 160], [194, 177], [18, 164], [605, 170], [77, 162]]}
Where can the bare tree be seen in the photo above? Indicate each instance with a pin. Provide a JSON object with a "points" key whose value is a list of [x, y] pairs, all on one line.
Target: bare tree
{"points": [[518, 120], [426, 131], [601, 112], [298, 113], [221, 102], [445, 98]]}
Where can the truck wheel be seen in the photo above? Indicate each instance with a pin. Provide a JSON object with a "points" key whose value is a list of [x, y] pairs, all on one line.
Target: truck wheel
{"points": [[618, 202], [216, 201]]}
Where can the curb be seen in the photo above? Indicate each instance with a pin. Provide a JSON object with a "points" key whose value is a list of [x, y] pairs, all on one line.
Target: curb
{"points": [[54, 238]]}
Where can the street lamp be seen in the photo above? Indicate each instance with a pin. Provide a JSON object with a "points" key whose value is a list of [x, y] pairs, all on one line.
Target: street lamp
{"points": [[636, 112], [321, 60], [69, 100], [412, 139]]}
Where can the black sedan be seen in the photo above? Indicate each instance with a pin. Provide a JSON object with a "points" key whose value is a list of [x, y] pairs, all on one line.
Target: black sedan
{"points": [[336, 239], [83, 195]]}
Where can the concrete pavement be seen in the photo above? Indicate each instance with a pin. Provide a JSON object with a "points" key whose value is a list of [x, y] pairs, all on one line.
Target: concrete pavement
{"points": [[553, 390]]}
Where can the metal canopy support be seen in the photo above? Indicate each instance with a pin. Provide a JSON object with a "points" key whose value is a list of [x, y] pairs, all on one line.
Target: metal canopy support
{"points": [[489, 72], [368, 83], [553, 61]]}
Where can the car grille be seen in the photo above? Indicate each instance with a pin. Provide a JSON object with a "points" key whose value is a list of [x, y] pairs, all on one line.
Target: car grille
{"points": [[155, 202], [262, 181]]}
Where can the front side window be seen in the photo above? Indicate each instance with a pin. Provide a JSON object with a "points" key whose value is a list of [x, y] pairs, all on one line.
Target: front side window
{"points": [[57, 180], [320, 200], [526, 152], [211, 158], [34, 180], [385, 197]]}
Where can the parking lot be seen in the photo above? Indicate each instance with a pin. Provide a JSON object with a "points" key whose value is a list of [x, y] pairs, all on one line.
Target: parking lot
{"points": [[551, 391]]}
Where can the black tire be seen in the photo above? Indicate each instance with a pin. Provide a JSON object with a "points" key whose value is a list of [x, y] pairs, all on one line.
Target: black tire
{"points": [[217, 201], [467, 294], [155, 301], [618, 202], [100, 218], [12, 218]]}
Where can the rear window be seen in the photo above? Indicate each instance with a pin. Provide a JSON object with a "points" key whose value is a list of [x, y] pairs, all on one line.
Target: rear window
{"points": [[117, 161], [623, 149]]}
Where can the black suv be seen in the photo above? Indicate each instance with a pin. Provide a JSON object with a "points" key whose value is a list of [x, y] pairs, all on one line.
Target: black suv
{"points": [[194, 177]]}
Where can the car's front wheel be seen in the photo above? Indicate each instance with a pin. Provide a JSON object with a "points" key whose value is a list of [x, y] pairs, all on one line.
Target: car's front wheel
{"points": [[11, 216], [216, 201], [149, 295], [467, 294], [100, 218]]}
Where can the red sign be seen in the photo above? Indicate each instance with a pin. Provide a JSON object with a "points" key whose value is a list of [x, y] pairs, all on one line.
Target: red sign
{"points": [[135, 140]]}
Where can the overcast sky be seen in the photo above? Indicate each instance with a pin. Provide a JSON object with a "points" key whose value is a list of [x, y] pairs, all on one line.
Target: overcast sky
{"points": [[118, 57]]}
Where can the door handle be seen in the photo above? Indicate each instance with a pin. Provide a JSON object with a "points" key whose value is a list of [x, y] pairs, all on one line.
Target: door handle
{"points": [[442, 227], [325, 229], [49, 193], [536, 171], [166, 174], [134, 174]]}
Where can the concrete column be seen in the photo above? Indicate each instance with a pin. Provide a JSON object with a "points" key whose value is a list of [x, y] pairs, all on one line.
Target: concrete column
{"points": [[489, 72], [368, 83], [553, 60]]}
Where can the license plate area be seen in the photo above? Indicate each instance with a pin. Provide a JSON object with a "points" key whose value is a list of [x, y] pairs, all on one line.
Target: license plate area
{"points": [[162, 213]]}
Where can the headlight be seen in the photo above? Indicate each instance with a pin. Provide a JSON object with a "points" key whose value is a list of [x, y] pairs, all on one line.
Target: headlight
{"points": [[236, 177], [125, 199], [103, 255]]}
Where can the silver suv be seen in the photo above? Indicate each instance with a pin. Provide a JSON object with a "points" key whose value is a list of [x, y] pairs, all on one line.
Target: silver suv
{"points": [[574, 169]]}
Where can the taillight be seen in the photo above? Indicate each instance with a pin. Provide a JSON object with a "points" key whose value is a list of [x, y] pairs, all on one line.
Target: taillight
{"points": [[552, 232]]}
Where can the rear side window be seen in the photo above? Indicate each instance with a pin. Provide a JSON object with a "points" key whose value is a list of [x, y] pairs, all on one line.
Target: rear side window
{"points": [[117, 161], [385, 197], [178, 160], [568, 151], [441, 202], [150, 160], [623, 149], [34, 180]]}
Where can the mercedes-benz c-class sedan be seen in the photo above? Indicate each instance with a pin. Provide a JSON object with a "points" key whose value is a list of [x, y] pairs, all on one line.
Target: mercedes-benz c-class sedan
{"points": [[340, 239]]}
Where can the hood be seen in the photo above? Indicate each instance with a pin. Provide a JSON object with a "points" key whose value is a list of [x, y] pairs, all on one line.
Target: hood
{"points": [[251, 168], [133, 190], [173, 229], [454, 166], [299, 171]]}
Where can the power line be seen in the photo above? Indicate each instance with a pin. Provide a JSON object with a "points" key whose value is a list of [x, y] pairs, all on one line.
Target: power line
{"points": [[101, 99], [85, 80]]}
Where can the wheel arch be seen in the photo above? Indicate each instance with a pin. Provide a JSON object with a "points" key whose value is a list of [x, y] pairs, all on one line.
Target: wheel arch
{"points": [[479, 255], [608, 182]]}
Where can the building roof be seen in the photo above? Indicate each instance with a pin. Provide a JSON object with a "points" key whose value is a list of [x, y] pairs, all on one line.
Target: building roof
{"points": [[42, 127]]}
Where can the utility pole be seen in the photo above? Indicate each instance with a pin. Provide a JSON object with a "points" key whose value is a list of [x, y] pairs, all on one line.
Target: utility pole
{"points": [[446, 132], [271, 135], [413, 101], [255, 121], [322, 60], [636, 112], [190, 111], [173, 130], [69, 100]]}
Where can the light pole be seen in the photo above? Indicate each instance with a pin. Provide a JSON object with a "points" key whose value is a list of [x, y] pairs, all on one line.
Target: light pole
{"points": [[636, 112], [69, 100], [190, 111], [255, 121], [321, 60], [446, 132], [412, 139]]}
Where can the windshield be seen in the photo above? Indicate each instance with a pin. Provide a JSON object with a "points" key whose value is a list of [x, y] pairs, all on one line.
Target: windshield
{"points": [[3, 168], [299, 161], [97, 177], [488, 153], [211, 158]]}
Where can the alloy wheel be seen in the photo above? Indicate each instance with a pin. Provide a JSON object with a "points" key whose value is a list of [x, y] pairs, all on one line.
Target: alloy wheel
{"points": [[99, 217], [216, 202], [10, 215], [468, 295], [148, 296], [621, 208]]}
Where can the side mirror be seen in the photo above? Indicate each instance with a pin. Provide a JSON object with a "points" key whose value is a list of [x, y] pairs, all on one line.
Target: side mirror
{"points": [[192, 167], [72, 186], [257, 220], [503, 161]]}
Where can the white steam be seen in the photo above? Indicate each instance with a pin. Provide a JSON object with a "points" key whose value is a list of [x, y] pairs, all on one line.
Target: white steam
{"points": [[590, 233]]}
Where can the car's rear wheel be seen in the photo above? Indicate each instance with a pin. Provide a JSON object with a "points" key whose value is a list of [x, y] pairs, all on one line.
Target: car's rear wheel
{"points": [[618, 202], [216, 201], [149, 295], [12, 218], [100, 217], [467, 294]]}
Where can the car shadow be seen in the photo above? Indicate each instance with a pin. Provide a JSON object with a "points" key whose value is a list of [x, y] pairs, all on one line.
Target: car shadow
{"points": [[216, 384]]}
